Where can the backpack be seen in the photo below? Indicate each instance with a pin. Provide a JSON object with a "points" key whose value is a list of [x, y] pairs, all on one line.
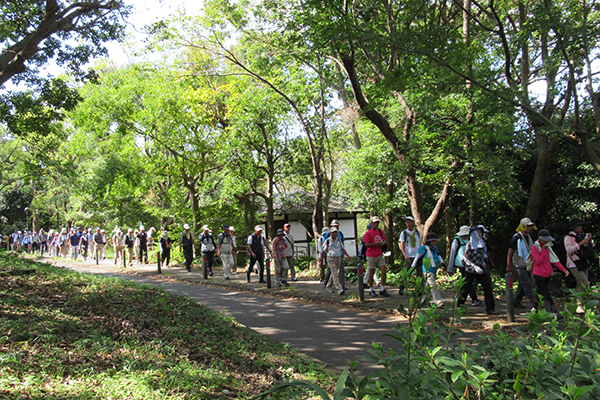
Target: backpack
{"points": [[362, 250], [460, 252], [384, 248], [585, 253]]}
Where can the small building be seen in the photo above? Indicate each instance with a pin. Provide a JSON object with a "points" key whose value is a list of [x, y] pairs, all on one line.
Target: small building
{"points": [[297, 208]]}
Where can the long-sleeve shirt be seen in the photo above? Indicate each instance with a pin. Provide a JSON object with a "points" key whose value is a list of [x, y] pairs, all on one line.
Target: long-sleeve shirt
{"points": [[572, 247], [422, 255], [542, 266]]}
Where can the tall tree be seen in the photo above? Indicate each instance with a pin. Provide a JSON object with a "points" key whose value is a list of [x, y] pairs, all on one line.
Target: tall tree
{"points": [[33, 32]]}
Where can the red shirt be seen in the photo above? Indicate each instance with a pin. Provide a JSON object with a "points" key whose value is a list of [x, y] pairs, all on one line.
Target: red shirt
{"points": [[374, 236]]}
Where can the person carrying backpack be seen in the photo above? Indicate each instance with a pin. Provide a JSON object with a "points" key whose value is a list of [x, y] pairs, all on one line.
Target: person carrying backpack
{"points": [[580, 254], [256, 249], [410, 242], [457, 252], [207, 247], [518, 251]]}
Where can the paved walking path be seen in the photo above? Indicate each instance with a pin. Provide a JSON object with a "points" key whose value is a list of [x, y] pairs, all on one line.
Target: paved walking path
{"points": [[333, 329]]}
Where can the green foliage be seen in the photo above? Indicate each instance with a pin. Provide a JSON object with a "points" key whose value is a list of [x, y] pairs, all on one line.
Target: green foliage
{"points": [[547, 361]]}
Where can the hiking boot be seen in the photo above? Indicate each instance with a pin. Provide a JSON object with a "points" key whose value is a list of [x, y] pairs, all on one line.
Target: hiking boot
{"points": [[372, 293], [491, 312], [476, 303], [384, 293], [341, 291]]}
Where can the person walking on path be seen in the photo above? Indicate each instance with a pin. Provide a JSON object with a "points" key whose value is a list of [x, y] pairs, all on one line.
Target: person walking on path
{"points": [[374, 239], [457, 252], [83, 243], [235, 250], [290, 250], [225, 250], [580, 250], [518, 251], [410, 242], [165, 248], [90, 242], [63, 240], [475, 268], [119, 245], [256, 249], [207, 247], [321, 260], [544, 259], [279, 245], [342, 268], [129, 243], [99, 243], [74, 239], [143, 237], [428, 260], [333, 248], [186, 240]]}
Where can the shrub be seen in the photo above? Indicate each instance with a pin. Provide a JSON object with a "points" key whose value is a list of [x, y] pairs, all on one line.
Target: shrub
{"points": [[547, 360]]}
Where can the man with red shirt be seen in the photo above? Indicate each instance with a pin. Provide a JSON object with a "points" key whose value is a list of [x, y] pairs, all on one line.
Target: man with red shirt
{"points": [[374, 239]]}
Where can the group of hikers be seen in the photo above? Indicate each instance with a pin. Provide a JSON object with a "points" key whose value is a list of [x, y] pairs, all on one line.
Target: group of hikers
{"points": [[533, 261], [87, 243]]}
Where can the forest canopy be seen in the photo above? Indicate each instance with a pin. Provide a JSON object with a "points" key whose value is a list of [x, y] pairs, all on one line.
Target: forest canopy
{"points": [[456, 113]]}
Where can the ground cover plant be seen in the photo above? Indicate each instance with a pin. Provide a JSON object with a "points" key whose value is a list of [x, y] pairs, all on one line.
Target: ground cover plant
{"points": [[553, 358], [79, 336]]}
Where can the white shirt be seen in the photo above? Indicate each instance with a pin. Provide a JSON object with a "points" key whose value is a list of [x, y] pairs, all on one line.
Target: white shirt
{"points": [[411, 251]]}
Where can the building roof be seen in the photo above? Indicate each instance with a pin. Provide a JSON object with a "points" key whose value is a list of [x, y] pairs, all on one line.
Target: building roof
{"points": [[303, 203]]}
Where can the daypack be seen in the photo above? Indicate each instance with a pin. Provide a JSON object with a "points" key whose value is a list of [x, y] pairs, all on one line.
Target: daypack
{"points": [[460, 252], [362, 250], [585, 253]]}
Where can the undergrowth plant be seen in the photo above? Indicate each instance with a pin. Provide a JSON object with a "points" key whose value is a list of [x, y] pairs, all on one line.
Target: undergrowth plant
{"points": [[547, 360]]}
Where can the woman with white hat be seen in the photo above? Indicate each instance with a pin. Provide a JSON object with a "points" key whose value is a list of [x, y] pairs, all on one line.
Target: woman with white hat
{"points": [[475, 268], [457, 251]]}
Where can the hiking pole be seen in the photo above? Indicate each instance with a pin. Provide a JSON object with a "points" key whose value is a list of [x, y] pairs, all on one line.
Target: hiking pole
{"points": [[158, 261], [96, 256], [123, 255], [510, 304], [361, 282], [205, 266]]}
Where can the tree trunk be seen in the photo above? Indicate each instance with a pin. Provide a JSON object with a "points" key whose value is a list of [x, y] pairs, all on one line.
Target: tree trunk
{"points": [[545, 151]]}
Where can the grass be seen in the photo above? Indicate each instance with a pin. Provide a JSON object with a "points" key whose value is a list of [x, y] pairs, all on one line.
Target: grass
{"points": [[80, 336]]}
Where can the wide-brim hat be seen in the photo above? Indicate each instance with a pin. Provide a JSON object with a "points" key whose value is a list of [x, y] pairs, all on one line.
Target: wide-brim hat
{"points": [[324, 230], [335, 222], [463, 231], [431, 236], [280, 232], [475, 227], [165, 234], [574, 223], [527, 222], [232, 229], [544, 235]]}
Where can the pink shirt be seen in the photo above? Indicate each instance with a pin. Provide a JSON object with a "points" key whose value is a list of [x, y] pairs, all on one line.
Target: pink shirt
{"points": [[572, 247], [374, 236], [541, 262]]}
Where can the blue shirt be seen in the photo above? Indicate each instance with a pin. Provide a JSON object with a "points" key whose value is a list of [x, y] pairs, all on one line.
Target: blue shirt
{"points": [[429, 265]]}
